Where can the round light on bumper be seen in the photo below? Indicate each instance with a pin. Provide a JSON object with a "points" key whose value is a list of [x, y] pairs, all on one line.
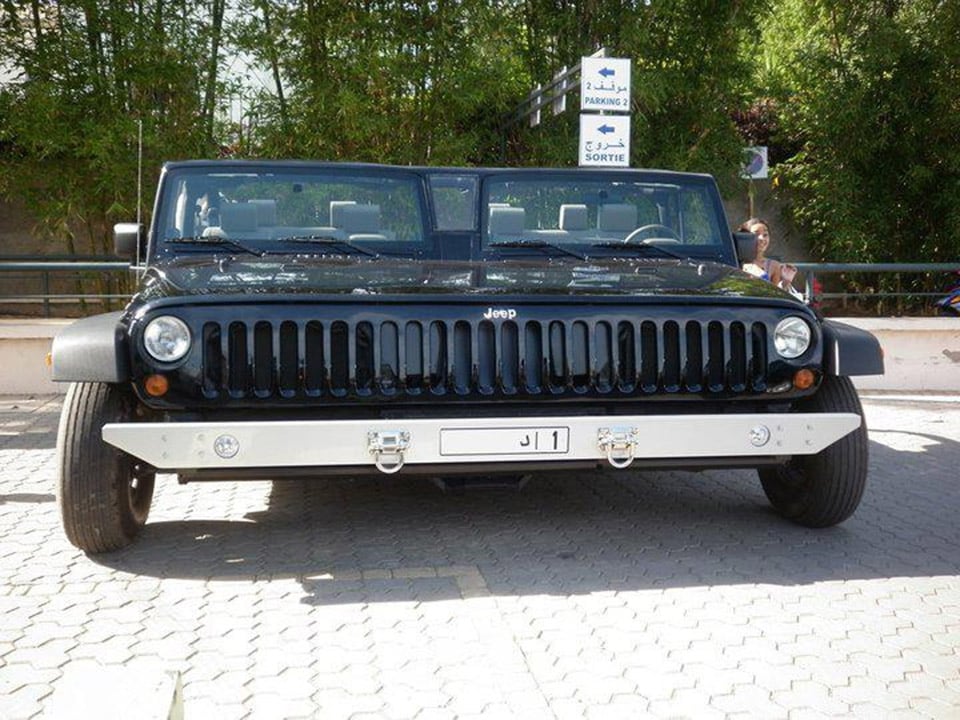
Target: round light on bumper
{"points": [[166, 338], [791, 338]]}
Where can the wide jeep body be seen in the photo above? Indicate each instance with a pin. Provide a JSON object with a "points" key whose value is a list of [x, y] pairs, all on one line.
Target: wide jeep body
{"points": [[306, 319]]}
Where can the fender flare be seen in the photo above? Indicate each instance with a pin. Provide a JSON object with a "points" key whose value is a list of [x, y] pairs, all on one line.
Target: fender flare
{"points": [[92, 349], [848, 350]]}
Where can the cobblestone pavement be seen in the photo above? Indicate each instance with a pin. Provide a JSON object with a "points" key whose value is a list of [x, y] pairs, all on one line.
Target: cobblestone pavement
{"points": [[600, 596]]}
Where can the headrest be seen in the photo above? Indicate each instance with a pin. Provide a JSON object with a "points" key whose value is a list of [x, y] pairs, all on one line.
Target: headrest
{"points": [[573, 217], [360, 219], [506, 220], [238, 217], [266, 212], [336, 211], [617, 217]]}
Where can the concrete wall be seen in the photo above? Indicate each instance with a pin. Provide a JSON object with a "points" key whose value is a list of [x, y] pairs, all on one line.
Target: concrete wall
{"points": [[921, 354], [24, 345]]}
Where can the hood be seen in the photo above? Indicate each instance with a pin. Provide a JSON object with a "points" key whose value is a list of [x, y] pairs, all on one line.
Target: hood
{"points": [[301, 274]]}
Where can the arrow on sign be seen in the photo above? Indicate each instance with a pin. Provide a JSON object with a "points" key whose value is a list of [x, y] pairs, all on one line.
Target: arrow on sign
{"points": [[606, 129], [607, 72]]}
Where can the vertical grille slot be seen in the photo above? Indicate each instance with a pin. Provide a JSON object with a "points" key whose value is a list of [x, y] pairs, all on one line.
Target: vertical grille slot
{"points": [[693, 367], [626, 356], [486, 357], [289, 365], [649, 354], [313, 371], [339, 358], [462, 357], [262, 359], [737, 365], [438, 357], [715, 359], [364, 358], [238, 359], [558, 356], [603, 348], [413, 354], [533, 356], [510, 357], [671, 357], [758, 356], [212, 360], [389, 369], [580, 356]]}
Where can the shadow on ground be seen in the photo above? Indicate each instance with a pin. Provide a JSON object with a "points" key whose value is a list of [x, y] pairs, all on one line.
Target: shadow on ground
{"points": [[566, 533]]}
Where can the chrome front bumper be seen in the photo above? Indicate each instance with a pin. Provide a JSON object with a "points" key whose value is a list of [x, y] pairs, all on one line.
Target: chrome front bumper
{"points": [[390, 444]]}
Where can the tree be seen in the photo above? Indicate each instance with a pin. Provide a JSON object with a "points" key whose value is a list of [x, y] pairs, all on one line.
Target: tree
{"points": [[88, 72], [870, 93]]}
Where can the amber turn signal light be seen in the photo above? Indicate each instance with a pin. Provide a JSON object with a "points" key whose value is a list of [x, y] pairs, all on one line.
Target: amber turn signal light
{"points": [[803, 379], [156, 385]]}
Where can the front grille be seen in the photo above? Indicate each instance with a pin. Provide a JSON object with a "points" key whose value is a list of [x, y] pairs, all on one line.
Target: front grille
{"points": [[455, 358]]}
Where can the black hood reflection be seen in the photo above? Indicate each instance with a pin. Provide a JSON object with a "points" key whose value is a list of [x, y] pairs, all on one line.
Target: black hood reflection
{"points": [[309, 274]]}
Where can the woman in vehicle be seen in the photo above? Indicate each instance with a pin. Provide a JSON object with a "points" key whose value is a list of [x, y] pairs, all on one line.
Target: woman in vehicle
{"points": [[780, 274]]}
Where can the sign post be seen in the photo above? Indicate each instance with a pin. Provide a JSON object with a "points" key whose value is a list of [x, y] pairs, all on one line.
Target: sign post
{"points": [[604, 88], [605, 140], [605, 84]]}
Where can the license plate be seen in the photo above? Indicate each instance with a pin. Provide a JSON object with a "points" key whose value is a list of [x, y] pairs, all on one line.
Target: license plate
{"points": [[505, 441]]}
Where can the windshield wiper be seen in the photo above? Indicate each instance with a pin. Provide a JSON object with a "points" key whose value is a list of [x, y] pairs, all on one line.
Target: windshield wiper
{"points": [[645, 247], [328, 240], [214, 240], [537, 245]]}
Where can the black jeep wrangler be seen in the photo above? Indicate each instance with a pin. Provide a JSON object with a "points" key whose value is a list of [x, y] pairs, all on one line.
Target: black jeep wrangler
{"points": [[303, 319]]}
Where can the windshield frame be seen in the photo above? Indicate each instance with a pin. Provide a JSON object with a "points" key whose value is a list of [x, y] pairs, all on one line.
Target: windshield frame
{"points": [[158, 249], [723, 251]]}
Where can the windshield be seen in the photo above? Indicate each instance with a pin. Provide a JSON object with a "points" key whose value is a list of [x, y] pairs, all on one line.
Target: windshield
{"points": [[597, 216], [291, 210]]}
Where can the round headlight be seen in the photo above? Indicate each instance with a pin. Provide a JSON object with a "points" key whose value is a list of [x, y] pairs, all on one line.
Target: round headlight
{"points": [[791, 337], [166, 338]]}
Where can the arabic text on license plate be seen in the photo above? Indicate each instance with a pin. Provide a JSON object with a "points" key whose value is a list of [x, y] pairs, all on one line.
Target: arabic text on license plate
{"points": [[505, 441]]}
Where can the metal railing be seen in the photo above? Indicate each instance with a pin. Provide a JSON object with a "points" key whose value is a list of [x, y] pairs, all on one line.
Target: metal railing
{"points": [[79, 268], [84, 268], [811, 270]]}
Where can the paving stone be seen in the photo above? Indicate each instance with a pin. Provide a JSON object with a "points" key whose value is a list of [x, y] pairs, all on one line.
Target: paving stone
{"points": [[624, 595]]}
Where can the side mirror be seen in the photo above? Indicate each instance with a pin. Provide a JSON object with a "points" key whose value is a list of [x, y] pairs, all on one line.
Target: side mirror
{"points": [[746, 246], [127, 237]]}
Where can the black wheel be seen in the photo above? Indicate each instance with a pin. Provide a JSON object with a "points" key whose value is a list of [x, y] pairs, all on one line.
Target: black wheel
{"points": [[104, 494], [823, 489]]}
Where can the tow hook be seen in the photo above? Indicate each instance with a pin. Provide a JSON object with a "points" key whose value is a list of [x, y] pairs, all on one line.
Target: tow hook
{"points": [[387, 448], [618, 444]]}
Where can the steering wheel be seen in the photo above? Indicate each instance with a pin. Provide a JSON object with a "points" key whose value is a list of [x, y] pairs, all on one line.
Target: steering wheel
{"points": [[672, 236]]}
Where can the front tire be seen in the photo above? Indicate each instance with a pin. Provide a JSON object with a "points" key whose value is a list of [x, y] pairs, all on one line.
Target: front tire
{"points": [[104, 494], [824, 489]]}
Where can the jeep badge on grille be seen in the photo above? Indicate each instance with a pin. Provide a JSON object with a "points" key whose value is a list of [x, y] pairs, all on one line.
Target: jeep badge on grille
{"points": [[500, 314]]}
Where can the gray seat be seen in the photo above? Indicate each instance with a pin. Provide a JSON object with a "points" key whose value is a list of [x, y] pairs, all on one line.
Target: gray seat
{"points": [[617, 219], [336, 211], [361, 222], [573, 218], [238, 218], [266, 212], [506, 221]]}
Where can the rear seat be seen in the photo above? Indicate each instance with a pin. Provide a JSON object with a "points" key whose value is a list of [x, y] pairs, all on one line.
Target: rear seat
{"points": [[573, 226]]}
